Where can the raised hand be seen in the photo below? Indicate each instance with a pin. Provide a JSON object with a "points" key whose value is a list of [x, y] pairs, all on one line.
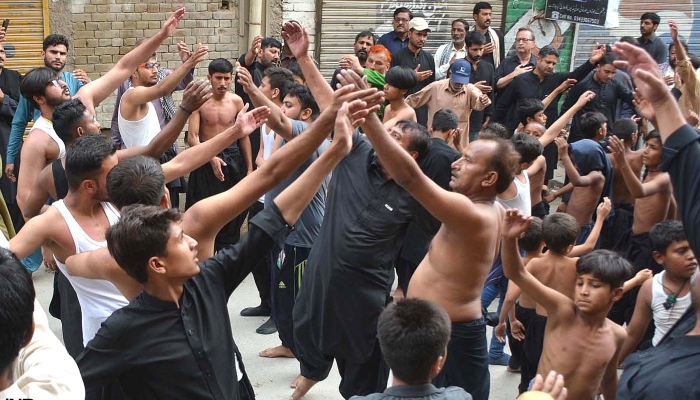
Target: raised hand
{"points": [[359, 90], [81, 75], [245, 79], [171, 23], [562, 147], [643, 276], [597, 53], [195, 94], [297, 38], [645, 72], [644, 107], [342, 137], [692, 118], [199, 55], [566, 85], [673, 27], [422, 75], [604, 208], [183, 51], [514, 224], [216, 165], [248, 121], [553, 385], [585, 98], [617, 149], [255, 46]]}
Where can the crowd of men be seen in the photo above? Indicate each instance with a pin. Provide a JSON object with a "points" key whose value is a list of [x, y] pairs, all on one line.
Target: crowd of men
{"points": [[431, 170]]}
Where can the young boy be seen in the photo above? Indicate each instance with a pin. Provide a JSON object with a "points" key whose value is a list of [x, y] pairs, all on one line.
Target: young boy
{"points": [[579, 341], [666, 296], [413, 336], [626, 130], [591, 179], [399, 80], [531, 113], [653, 203], [594, 126]]}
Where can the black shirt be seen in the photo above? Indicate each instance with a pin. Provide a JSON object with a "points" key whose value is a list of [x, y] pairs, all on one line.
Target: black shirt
{"points": [[509, 65], [501, 46], [159, 351], [528, 85], [483, 72], [350, 270], [256, 71], [420, 392], [605, 102], [406, 58], [656, 48]]}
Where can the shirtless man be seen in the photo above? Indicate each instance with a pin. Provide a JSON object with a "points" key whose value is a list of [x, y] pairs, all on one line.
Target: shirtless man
{"points": [[485, 170], [591, 178], [227, 169], [579, 341], [138, 121], [40, 86], [399, 80]]}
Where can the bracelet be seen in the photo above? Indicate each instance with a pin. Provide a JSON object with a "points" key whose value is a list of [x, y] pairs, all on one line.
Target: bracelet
{"points": [[185, 110]]}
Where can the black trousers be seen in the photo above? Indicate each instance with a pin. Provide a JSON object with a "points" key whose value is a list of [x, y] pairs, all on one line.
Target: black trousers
{"points": [[524, 315], [287, 274], [532, 350], [261, 273], [65, 306]]}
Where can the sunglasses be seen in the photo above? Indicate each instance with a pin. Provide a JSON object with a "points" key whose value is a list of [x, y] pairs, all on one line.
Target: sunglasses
{"points": [[524, 40], [150, 65]]}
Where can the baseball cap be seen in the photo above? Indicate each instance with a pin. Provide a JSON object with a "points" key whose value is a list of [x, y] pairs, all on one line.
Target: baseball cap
{"points": [[419, 24], [461, 69]]}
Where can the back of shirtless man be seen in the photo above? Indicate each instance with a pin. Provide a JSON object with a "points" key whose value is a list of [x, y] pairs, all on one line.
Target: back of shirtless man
{"points": [[470, 231], [591, 178], [226, 170]]}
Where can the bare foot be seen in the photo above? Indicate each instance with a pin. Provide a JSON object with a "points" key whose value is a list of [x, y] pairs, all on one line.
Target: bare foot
{"points": [[278, 351], [303, 386], [296, 381]]}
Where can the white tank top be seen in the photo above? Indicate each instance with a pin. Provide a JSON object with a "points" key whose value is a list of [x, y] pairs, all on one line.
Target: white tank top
{"points": [[98, 298], [141, 132], [522, 200], [664, 319], [268, 143], [47, 126]]}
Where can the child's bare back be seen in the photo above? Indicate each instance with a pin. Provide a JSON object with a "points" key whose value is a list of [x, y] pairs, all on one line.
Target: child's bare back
{"points": [[555, 271]]}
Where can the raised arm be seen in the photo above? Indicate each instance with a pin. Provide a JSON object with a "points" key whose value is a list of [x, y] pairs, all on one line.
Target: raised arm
{"points": [[563, 87], [99, 264], [96, 91], [298, 41], [34, 234], [660, 183], [589, 245], [554, 302], [421, 97], [277, 121], [34, 159], [39, 194], [196, 94], [23, 114], [553, 131], [575, 178]]}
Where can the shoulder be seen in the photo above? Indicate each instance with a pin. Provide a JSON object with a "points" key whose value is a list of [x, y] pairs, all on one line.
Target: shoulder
{"points": [[619, 333], [298, 127]]}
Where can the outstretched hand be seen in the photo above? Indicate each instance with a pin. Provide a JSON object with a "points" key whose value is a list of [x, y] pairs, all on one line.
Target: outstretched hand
{"points": [[360, 90], [617, 149], [195, 94], [562, 146], [171, 23], [248, 121], [587, 96], [553, 385], [645, 73], [297, 38], [199, 55], [515, 224], [603, 208], [244, 78], [342, 136], [566, 85]]}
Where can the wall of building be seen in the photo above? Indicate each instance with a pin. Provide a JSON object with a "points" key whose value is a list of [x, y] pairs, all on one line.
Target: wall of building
{"points": [[304, 12]]}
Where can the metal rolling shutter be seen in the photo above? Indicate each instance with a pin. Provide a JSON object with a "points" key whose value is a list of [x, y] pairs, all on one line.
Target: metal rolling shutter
{"points": [[686, 13], [341, 20], [29, 24]]}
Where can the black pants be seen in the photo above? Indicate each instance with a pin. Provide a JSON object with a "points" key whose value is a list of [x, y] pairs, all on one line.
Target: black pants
{"points": [[532, 350], [286, 283], [467, 364], [65, 306], [261, 273], [404, 271], [524, 315]]}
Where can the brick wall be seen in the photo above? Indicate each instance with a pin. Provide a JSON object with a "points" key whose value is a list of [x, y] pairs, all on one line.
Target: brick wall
{"points": [[303, 11], [105, 30]]}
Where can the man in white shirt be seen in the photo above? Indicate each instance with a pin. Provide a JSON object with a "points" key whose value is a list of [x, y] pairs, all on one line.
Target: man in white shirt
{"points": [[448, 53]]}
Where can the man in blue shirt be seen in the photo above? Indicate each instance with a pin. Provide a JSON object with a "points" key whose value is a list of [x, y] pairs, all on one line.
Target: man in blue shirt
{"points": [[398, 38]]}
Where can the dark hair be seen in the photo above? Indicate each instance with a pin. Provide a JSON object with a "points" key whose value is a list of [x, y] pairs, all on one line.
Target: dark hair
{"points": [[403, 10], [220, 65], [608, 59], [280, 78], [420, 138], [664, 233], [474, 38], [526, 28], [366, 33], [16, 307], [85, 156], [139, 225], [482, 5], [527, 108], [504, 161], [590, 123], [295, 69], [66, 117], [548, 50], [401, 77], [495, 130], [55, 39], [654, 17], [628, 39], [683, 43], [306, 99], [606, 266], [527, 146], [136, 180], [559, 231], [624, 128], [270, 42], [35, 82], [531, 240], [413, 334], [444, 120], [654, 134], [694, 61], [463, 21]]}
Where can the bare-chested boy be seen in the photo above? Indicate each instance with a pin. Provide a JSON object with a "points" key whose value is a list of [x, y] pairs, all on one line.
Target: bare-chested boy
{"points": [[591, 178], [579, 341], [653, 204], [227, 169], [469, 231], [399, 80]]}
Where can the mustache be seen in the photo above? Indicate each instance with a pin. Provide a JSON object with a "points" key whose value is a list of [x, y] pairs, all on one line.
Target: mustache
{"points": [[222, 87]]}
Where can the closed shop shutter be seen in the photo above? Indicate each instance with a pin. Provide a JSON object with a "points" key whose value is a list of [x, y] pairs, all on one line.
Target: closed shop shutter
{"points": [[341, 20], [686, 13], [28, 27]]}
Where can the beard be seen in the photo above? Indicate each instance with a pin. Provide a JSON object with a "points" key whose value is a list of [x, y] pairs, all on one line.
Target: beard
{"points": [[362, 55]]}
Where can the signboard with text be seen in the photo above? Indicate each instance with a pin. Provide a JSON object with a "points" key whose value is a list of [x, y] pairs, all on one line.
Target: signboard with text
{"points": [[590, 12]]}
